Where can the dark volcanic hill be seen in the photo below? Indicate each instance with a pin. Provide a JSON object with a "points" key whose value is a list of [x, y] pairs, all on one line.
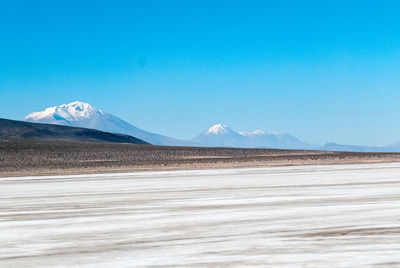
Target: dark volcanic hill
{"points": [[11, 129]]}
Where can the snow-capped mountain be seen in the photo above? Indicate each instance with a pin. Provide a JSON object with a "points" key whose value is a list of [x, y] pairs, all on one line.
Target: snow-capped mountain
{"points": [[81, 114], [221, 135]]}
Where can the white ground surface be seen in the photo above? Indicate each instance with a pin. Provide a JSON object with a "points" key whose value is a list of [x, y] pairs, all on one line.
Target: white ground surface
{"points": [[319, 216]]}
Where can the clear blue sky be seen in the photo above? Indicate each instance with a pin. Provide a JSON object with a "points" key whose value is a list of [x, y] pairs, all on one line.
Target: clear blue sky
{"points": [[319, 70]]}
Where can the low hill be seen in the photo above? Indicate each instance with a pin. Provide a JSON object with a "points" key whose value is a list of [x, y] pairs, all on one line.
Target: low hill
{"points": [[394, 148], [11, 129]]}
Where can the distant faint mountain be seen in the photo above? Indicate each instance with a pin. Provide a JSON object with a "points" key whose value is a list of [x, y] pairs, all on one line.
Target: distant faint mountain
{"points": [[221, 135], [81, 114], [355, 148], [11, 129], [395, 145]]}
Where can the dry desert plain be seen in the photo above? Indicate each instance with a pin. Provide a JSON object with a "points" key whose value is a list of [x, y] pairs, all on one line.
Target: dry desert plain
{"points": [[299, 216], [23, 157]]}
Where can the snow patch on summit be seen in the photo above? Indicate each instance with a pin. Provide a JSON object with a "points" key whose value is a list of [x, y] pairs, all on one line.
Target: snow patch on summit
{"points": [[219, 129], [256, 132], [69, 112]]}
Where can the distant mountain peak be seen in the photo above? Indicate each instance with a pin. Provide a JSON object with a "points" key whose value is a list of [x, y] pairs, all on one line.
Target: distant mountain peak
{"points": [[259, 132], [81, 114], [220, 135], [219, 129], [256, 132], [67, 112]]}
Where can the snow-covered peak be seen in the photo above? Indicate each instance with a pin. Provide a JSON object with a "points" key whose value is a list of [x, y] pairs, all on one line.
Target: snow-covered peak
{"points": [[81, 114], [256, 132], [221, 135], [259, 132], [70, 112], [219, 129]]}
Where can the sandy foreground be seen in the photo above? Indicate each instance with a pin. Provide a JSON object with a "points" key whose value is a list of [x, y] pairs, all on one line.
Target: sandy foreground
{"points": [[304, 216]]}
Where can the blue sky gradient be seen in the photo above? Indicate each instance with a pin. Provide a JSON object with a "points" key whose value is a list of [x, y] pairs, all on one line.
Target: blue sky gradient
{"points": [[320, 70]]}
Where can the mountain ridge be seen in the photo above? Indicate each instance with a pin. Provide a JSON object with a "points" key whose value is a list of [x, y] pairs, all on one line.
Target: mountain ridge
{"points": [[13, 129], [331, 146], [80, 114], [221, 135]]}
